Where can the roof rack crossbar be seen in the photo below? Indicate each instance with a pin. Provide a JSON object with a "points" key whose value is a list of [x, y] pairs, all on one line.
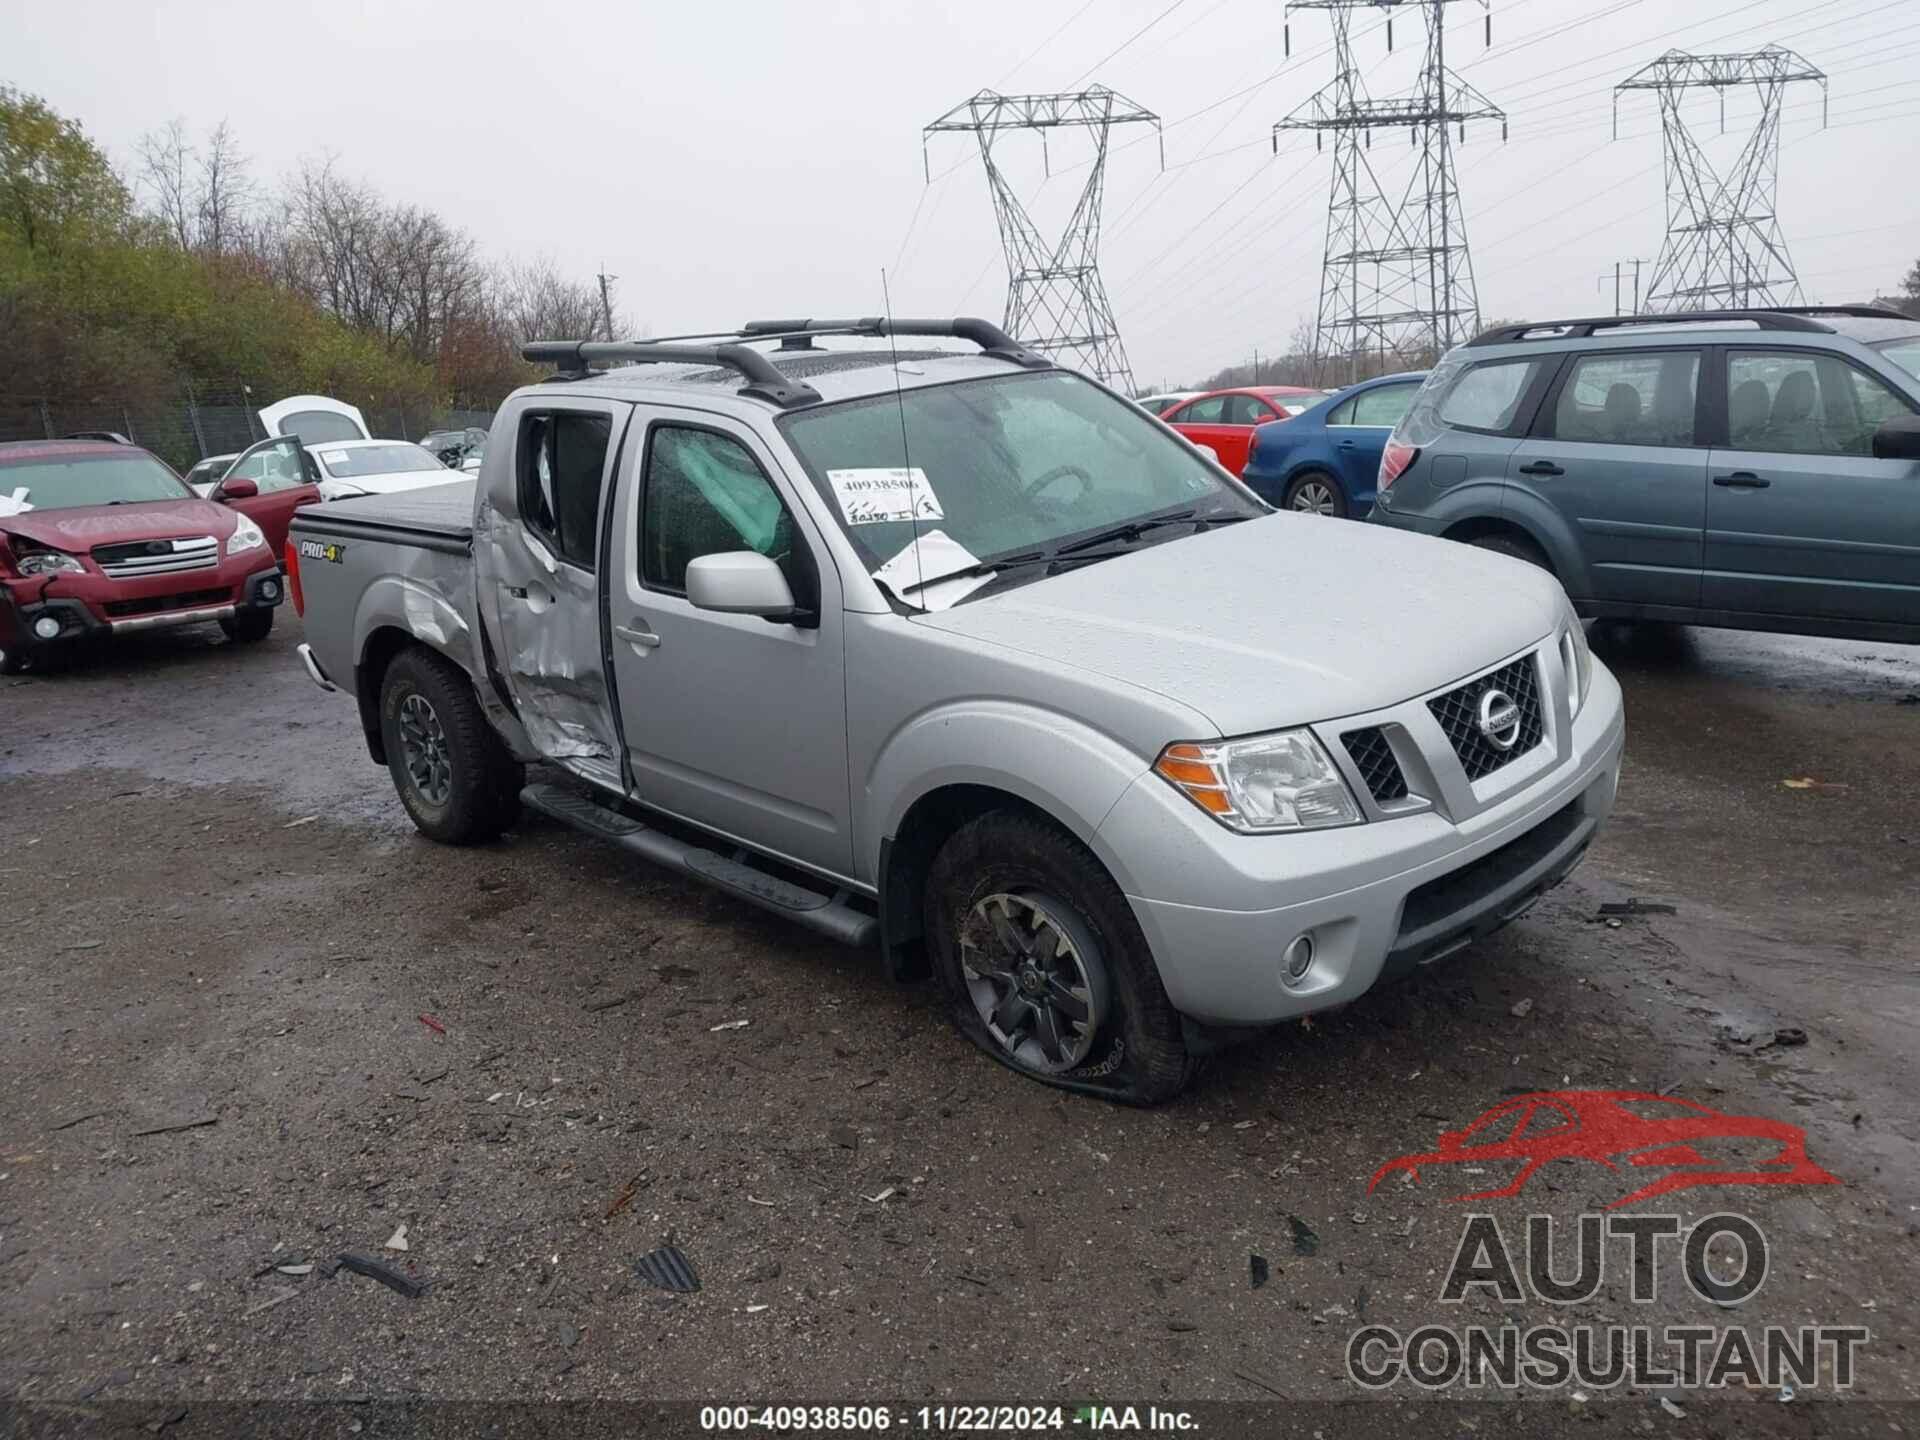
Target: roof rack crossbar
{"points": [[988, 336], [1771, 317], [763, 379]]}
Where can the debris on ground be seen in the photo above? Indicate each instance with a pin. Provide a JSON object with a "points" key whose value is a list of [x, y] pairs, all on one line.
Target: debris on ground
{"points": [[728, 1025], [880, 1199], [673, 974], [625, 1197], [1260, 1382], [397, 1240], [1258, 1270], [303, 820], [569, 1335], [1179, 1325], [433, 1024], [393, 1279], [75, 1120], [1305, 1242], [1807, 782], [667, 1269], [606, 1002], [294, 1270], [1522, 1009], [845, 1136], [1787, 1036], [84, 945], [1672, 1409], [279, 1296], [1634, 905], [185, 1122]]}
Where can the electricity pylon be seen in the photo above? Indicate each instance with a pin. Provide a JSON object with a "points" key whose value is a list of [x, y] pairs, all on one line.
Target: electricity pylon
{"points": [[1397, 278], [1724, 247], [1056, 303]]}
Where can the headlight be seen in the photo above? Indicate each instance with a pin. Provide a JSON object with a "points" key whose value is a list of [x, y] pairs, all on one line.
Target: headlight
{"points": [[1263, 784], [246, 536], [1577, 660], [49, 562]]}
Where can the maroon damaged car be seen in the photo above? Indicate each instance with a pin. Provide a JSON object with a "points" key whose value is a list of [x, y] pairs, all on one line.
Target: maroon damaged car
{"points": [[99, 539]]}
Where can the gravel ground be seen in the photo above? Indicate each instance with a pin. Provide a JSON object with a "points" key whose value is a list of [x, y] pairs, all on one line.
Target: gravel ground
{"points": [[256, 1022]]}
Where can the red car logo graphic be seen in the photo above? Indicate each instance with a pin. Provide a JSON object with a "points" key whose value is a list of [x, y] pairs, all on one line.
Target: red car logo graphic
{"points": [[1622, 1130]]}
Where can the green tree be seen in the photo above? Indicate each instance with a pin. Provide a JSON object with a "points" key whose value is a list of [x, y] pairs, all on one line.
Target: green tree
{"points": [[56, 187]]}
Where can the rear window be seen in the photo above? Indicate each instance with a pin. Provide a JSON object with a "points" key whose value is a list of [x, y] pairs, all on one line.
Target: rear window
{"points": [[1463, 395], [69, 482], [315, 427], [1905, 353]]}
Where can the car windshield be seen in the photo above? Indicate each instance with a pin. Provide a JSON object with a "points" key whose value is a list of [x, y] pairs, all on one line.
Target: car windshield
{"points": [[1903, 351], [344, 464], [1001, 466], [67, 482]]}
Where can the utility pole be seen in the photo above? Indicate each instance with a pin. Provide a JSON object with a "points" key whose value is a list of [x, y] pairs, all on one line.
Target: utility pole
{"points": [[1056, 302], [606, 300], [1619, 274], [1724, 246], [1397, 276]]}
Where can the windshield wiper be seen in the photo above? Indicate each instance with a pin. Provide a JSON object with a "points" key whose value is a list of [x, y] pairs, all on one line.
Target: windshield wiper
{"points": [[982, 567], [1134, 529]]}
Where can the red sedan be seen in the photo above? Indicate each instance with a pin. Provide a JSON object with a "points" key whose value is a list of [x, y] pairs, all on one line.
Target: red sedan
{"points": [[1224, 420]]}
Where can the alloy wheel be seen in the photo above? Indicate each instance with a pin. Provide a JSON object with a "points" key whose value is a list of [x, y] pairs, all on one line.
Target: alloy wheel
{"points": [[423, 750], [1035, 978], [1314, 497]]}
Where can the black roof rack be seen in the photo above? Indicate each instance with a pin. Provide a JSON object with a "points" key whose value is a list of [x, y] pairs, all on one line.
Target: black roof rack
{"points": [[764, 380], [1773, 317]]}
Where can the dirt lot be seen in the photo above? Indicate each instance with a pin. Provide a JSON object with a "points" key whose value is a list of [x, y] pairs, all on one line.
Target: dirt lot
{"points": [[218, 919]]}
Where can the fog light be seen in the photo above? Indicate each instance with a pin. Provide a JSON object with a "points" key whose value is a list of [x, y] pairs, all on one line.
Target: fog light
{"points": [[46, 627], [1297, 959], [270, 590]]}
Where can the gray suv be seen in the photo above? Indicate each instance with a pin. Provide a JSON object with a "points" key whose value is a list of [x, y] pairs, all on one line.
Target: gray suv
{"points": [[1757, 469]]}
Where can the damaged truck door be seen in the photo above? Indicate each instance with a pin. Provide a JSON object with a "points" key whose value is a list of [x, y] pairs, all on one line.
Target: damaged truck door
{"points": [[737, 722], [537, 525]]}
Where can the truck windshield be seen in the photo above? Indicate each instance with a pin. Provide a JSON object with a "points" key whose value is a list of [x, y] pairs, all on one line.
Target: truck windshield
{"points": [[1001, 465], [70, 481]]}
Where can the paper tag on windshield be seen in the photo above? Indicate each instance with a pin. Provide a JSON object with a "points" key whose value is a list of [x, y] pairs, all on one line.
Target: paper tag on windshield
{"points": [[335, 457], [869, 497], [16, 503], [914, 574]]}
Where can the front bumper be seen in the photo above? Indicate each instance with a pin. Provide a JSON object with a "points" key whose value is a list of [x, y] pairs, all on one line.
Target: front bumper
{"points": [[92, 607], [1378, 899]]}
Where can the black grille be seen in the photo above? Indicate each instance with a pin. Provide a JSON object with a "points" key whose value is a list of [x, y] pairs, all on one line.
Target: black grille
{"points": [[1458, 712], [132, 550], [192, 599], [1378, 768]]}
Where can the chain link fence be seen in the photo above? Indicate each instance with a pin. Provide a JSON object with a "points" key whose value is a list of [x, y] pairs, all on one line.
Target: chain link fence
{"points": [[202, 420]]}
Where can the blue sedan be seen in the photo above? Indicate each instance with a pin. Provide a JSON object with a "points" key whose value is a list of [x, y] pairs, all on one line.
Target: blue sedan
{"points": [[1326, 460]]}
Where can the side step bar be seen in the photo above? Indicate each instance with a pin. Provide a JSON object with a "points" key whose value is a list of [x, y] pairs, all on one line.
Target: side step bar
{"points": [[828, 915]]}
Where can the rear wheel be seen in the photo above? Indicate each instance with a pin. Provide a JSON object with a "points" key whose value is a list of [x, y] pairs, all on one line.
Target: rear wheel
{"points": [[455, 777], [1043, 964], [249, 627], [1316, 493], [1516, 546]]}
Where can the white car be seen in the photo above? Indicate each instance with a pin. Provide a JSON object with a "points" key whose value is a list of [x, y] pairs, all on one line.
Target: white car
{"points": [[377, 467], [1162, 403]]}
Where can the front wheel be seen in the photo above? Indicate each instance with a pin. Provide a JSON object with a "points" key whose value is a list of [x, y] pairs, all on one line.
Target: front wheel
{"points": [[249, 627], [1043, 965], [1317, 493], [456, 778]]}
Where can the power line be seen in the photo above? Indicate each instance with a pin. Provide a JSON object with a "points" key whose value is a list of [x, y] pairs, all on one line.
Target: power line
{"points": [[1122, 46]]}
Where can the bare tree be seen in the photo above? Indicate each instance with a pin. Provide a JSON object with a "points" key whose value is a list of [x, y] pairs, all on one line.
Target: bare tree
{"points": [[541, 304], [166, 177], [228, 196]]}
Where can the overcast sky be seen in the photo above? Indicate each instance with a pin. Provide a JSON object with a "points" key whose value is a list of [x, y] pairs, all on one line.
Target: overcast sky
{"points": [[748, 158]]}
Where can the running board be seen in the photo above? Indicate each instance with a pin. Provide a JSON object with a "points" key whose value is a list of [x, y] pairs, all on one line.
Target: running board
{"points": [[825, 914]]}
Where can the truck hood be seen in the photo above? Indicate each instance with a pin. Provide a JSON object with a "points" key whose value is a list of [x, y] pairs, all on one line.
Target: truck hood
{"points": [[80, 529], [1285, 620]]}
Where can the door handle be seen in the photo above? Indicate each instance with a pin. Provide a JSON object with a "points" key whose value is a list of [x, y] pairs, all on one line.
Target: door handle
{"points": [[1742, 480], [1346, 444], [638, 634], [1542, 467]]}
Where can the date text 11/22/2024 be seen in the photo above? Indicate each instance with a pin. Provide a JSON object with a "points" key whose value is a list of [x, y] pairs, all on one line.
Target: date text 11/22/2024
{"points": [[1005, 1419]]}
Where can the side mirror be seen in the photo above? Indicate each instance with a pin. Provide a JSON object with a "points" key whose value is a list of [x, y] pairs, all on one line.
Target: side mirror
{"points": [[740, 582], [1898, 439], [238, 488]]}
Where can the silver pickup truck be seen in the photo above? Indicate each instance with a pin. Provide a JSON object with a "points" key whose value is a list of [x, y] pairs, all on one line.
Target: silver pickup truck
{"points": [[965, 657]]}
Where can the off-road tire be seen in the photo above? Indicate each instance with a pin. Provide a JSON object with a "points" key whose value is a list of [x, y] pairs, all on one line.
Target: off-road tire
{"points": [[1515, 547], [249, 627], [482, 789], [1138, 1054]]}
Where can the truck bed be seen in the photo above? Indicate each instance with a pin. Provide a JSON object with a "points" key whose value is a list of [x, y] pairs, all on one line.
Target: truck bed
{"points": [[436, 517]]}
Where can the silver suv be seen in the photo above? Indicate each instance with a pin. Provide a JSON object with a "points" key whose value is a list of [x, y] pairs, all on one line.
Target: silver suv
{"points": [[967, 658]]}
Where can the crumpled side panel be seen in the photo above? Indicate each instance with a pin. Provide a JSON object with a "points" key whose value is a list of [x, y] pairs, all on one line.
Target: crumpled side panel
{"points": [[549, 641]]}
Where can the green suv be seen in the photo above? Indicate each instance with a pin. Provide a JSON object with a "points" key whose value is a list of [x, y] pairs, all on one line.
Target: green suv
{"points": [[1757, 469]]}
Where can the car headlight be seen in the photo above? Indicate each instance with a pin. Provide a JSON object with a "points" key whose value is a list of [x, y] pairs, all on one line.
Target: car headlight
{"points": [[1576, 658], [49, 562], [1263, 784], [246, 536]]}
